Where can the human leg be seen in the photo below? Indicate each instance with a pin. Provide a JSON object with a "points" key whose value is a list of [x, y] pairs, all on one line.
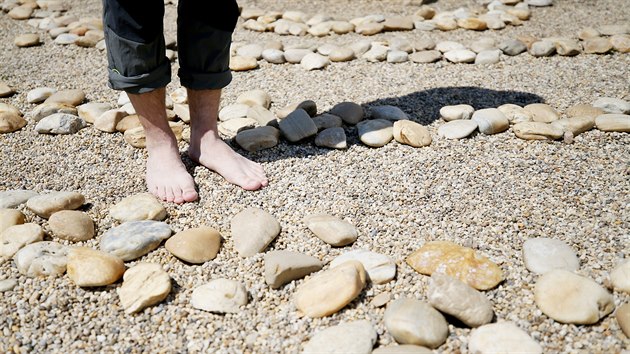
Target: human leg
{"points": [[138, 65], [204, 35]]}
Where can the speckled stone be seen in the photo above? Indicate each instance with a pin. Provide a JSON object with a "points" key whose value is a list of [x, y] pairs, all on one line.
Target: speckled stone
{"points": [[44, 258], [134, 239], [144, 284], [457, 261], [15, 237], [412, 321]]}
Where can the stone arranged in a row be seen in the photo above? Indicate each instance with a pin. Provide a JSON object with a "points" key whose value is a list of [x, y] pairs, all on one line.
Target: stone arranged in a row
{"points": [[399, 50], [497, 15]]}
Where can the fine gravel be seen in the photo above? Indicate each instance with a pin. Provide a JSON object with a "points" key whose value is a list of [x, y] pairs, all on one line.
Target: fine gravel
{"points": [[491, 193]]}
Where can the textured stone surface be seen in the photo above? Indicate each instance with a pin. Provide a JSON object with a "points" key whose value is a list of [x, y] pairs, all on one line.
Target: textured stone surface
{"points": [[13, 238], [44, 258], [357, 337], [45, 205], [134, 239], [297, 125], [71, 225], [502, 337], [379, 267], [491, 121], [411, 133], [60, 123], [457, 261], [143, 206], [259, 138], [541, 112], [219, 295], [10, 122], [537, 131], [330, 291], [144, 284], [569, 298], [283, 266], [88, 267]]}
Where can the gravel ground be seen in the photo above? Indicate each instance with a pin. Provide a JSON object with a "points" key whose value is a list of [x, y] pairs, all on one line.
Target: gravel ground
{"points": [[488, 192]]}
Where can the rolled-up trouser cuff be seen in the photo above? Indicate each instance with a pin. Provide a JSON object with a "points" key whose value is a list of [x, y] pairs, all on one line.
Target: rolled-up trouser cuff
{"points": [[204, 81], [160, 77]]}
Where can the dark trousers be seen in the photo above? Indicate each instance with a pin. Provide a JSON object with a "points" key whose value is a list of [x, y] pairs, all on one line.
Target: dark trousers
{"points": [[134, 35]]}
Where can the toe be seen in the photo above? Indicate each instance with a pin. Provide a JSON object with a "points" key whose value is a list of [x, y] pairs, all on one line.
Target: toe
{"points": [[161, 193], [190, 195], [170, 196]]}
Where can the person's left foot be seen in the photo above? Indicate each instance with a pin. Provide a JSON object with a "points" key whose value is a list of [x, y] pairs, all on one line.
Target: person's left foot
{"points": [[213, 153]]}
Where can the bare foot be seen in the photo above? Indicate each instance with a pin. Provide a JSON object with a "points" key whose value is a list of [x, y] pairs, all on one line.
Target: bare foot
{"points": [[167, 177], [216, 155]]}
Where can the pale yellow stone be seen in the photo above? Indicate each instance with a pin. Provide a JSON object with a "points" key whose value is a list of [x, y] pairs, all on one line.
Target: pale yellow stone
{"points": [[196, 245], [88, 267]]}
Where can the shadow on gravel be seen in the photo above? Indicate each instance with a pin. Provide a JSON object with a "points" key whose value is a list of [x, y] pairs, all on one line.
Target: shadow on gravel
{"points": [[422, 107]]}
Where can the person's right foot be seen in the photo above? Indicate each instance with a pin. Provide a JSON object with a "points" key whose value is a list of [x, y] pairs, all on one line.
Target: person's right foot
{"points": [[167, 177]]}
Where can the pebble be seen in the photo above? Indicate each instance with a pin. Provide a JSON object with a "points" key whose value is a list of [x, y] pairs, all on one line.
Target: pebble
{"points": [[576, 125], [545, 254], [220, 296], [412, 321], [92, 110], [376, 132], [327, 120], [402, 349], [253, 229], [425, 57], [456, 298], [297, 125], [39, 94], [457, 129], [144, 284], [88, 267], [328, 292], [411, 133], [14, 198], [377, 53], [333, 138], [584, 110], [108, 121], [44, 258], [356, 337], [134, 239], [243, 63], [46, 109], [588, 33], [483, 44], [400, 43], [487, 57], [66, 38], [60, 123], [282, 267], [569, 298], [253, 50], [360, 47], [397, 56], [445, 23], [197, 245], [369, 28], [314, 61], [254, 98], [542, 48], [332, 230], [295, 55], [597, 45], [621, 43], [45, 205], [70, 97], [350, 112], [10, 122], [568, 47], [623, 318], [7, 285], [539, 2], [457, 112], [233, 126], [379, 267], [262, 116], [423, 44], [491, 121], [233, 111], [447, 46], [537, 131], [613, 122], [5, 90], [612, 105], [457, 261], [10, 217], [512, 47], [502, 337], [257, 139], [398, 23], [27, 40], [71, 225], [614, 29], [15, 237], [472, 23], [381, 300], [341, 54], [309, 106], [542, 112], [22, 12], [460, 56], [620, 277], [515, 113], [388, 112]]}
